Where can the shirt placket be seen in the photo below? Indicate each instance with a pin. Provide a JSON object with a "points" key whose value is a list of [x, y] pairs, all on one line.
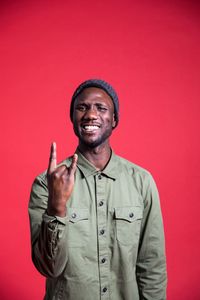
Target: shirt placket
{"points": [[102, 240]]}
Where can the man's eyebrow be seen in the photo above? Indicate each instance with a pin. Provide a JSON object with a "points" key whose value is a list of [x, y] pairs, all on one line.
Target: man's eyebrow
{"points": [[100, 103], [84, 102], [81, 102]]}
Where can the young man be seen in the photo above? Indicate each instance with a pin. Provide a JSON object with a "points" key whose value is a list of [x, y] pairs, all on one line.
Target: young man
{"points": [[96, 223]]}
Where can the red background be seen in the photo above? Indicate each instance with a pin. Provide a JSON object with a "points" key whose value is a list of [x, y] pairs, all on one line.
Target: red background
{"points": [[150, 52]]}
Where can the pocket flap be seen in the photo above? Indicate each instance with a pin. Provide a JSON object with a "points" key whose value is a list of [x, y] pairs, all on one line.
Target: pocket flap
{"points": [[128, 213], [77, 214]]}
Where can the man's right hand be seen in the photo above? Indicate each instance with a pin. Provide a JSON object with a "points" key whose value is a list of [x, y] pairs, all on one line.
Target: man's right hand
{"points": [[60, 183]]}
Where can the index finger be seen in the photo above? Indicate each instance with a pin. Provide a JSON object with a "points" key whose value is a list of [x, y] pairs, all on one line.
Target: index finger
{"points": [[52, 159]]}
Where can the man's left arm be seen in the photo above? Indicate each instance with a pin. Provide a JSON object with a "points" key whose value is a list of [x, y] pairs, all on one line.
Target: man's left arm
{"points": [[151, 263]]}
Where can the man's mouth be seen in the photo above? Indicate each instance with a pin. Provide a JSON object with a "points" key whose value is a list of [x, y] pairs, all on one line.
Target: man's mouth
{"points": [[90, 128]]}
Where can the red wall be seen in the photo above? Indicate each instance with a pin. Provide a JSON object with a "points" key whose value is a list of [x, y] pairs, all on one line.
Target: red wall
{"points": [[150, 52]]}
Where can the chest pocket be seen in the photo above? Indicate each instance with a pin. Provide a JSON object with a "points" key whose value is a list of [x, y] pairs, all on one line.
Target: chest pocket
{"points": [[78, 226], [128, 222]]}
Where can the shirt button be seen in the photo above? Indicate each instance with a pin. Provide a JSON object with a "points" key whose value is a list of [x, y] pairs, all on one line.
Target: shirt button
{"points": [[102, 231], [101, 203], [73, 215], [104, 290], [52, 225], [103, 260], [99, 176], [131, 215]]}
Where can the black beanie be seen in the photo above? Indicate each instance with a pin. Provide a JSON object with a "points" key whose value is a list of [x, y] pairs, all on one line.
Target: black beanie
{"points": [[99, 84]]}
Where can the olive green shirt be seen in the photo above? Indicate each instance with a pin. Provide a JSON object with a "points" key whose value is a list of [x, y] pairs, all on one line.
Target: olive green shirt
{"points": [[110, 245]]}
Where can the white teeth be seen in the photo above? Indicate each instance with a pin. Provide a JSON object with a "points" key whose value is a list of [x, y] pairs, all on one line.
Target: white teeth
{"points": [[90, 127]]}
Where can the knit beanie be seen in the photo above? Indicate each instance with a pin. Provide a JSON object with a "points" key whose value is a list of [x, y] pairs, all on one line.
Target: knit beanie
{"points": [[99, 84]]}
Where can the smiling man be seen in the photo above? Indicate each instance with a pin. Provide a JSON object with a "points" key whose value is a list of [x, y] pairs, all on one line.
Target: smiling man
{"points": [[96, 224]]}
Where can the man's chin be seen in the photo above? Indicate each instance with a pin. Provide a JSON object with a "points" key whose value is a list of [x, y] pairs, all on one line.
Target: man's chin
{"points": [[90, 143], [93, 144]]}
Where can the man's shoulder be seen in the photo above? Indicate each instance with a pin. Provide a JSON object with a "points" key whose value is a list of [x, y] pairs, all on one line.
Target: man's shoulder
{"points": [[134, 170], [129, 165], [139, 175]]}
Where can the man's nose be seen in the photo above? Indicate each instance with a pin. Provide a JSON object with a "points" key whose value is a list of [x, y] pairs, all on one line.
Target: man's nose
{"points": [[91, 114]]}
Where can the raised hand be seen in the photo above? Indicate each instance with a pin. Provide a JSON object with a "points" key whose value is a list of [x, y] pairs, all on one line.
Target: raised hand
{"points": [[60, 183]]}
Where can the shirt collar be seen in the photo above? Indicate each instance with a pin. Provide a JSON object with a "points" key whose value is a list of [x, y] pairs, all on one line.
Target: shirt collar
{"points": [[111, 170]]}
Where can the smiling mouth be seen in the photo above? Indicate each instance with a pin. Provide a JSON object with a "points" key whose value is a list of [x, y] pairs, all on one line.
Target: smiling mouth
{"points": [[90, 128]]}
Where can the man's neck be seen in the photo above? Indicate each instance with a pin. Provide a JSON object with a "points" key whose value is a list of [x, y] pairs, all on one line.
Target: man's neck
{"points": [[98, 156]]}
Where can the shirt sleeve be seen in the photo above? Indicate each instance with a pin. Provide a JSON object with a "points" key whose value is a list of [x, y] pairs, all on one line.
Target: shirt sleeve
{"points": [[151, 262], [48, 233]]}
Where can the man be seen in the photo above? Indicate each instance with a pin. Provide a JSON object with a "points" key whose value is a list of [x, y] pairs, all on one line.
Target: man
{"points": [[96, 224]]}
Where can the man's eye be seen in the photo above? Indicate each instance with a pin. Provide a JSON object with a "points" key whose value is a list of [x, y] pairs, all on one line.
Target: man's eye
{"points": [[101, 108], [81, 108]]}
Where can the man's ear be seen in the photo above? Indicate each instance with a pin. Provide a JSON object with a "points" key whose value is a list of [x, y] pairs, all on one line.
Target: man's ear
{"points": [[113, 121]]}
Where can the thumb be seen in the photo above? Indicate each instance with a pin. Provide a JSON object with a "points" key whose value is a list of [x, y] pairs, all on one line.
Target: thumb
{"points": [[73, 165]]}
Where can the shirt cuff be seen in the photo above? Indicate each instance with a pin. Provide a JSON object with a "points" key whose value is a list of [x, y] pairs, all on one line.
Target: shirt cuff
{"points": [[50, 219]]}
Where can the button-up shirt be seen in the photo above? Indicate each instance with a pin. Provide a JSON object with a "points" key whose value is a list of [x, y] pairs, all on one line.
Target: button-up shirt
{"points": [[110, 245]]}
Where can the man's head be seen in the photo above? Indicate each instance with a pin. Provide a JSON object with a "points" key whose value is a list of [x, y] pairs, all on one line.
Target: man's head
{"points": [[94, 112], [98, 83]]}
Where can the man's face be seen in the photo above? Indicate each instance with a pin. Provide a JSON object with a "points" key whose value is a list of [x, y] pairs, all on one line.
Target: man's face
{"points": [[93, 117]]}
